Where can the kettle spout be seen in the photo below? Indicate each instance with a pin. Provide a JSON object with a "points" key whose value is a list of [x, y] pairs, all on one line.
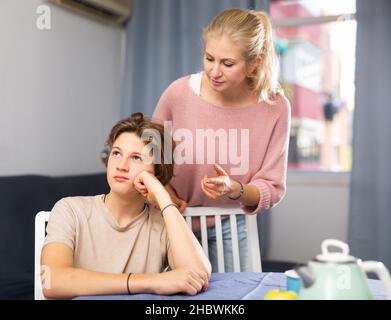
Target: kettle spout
{"points": [[306, 276]]}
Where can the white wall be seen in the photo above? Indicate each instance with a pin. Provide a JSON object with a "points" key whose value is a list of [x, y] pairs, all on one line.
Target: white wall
{"points": [[315, 207], [59, 90]]}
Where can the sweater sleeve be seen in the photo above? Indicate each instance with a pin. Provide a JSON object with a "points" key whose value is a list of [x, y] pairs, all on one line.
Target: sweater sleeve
{"points": [[271, 178], [163, 111]]}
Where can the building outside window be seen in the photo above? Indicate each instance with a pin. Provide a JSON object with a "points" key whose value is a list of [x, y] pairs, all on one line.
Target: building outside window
{"points": [[316, 43]]}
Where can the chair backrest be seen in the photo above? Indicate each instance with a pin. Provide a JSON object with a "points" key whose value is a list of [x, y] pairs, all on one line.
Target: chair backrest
{"points": [[254, 253], [41, 219]]}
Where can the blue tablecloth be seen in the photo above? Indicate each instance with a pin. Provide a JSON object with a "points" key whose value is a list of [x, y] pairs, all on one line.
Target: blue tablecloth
{"points": [[232, 286]]}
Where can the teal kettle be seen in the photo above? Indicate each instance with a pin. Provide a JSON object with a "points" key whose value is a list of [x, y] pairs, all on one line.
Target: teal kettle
{"points": [[339, 276]]}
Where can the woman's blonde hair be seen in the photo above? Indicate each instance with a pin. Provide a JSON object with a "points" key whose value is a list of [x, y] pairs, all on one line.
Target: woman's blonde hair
{"points": [[252, 31]]}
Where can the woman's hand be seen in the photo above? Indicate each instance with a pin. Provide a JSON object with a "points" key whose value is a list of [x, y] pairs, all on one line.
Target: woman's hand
{"points": [[220, 185], [182, 280], [151, 189], [182, 204]]}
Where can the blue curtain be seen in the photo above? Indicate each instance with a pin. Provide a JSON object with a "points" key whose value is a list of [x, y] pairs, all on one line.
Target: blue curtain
{"points": [[164, 42], [370, 200]]}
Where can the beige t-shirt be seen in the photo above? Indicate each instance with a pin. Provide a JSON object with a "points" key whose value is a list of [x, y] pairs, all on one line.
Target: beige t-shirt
{"points": [[98, 243]]}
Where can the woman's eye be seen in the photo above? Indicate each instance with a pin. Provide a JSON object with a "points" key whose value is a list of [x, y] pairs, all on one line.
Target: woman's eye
{"points": [[209, 59], [229, 65], [115, 153], [137, 158]]}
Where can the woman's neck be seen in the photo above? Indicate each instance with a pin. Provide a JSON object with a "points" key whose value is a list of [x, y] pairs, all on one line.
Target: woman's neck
{"points": [[124, 209]]}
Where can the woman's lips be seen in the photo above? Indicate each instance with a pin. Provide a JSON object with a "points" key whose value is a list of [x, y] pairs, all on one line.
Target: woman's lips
{"points": [[216, 82]]}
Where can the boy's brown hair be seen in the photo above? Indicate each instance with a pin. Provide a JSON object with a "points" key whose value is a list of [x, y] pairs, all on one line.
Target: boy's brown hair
{"points": [[144, 129]]}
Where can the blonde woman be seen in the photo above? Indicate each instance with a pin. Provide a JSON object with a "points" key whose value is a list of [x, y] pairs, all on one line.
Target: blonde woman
{"points": [[116, 243], [231, 123]]}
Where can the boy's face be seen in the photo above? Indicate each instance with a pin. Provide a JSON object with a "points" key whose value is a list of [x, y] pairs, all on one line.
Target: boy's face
{"points": [[128, 157]]}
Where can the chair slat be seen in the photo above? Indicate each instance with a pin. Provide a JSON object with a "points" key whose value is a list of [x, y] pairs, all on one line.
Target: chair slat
{"points": [[188, 220], [235, 243], [254, 252], [204, 235], [219, 243]]}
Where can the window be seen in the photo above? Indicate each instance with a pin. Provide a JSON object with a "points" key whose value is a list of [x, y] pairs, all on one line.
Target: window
{"points": [[316, 43]]}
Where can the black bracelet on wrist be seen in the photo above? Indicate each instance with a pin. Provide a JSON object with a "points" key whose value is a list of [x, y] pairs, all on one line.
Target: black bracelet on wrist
{"points": [[169, 205], [240, 192], [127, 283]]}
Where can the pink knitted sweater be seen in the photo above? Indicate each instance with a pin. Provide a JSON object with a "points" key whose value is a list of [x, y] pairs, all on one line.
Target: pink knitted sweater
{"points": [[250, 143]]}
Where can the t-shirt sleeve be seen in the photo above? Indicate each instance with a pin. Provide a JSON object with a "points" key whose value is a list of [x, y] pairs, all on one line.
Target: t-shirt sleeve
{"points": [[271, 178], [62, 224]]}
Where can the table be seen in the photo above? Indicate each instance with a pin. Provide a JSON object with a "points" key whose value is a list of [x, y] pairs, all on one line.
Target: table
{"points": [[233, 286]]}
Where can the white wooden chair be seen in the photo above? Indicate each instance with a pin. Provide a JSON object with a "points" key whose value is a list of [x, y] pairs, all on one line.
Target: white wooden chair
{"points": [[254, 252], [41, 219]]}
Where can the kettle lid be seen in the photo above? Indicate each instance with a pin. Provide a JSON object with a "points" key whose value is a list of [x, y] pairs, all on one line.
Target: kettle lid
{"points": [[337, 257]]}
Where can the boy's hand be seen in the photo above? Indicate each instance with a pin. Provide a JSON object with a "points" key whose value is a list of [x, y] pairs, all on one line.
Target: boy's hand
{"points": [[151, 189]]}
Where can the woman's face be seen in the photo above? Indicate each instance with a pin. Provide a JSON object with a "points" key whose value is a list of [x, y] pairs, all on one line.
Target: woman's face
{"points": [[224, 64], [127, 159]]}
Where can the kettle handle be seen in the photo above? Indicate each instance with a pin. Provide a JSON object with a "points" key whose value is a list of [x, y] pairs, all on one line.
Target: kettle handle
{"points": [[336, 243], [381, 271]]}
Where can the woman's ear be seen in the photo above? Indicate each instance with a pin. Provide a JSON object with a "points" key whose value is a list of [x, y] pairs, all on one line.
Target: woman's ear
{"points": [[253, 66]]}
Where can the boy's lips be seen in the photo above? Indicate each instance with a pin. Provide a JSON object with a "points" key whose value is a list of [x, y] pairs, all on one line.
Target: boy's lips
{"points": [[120, 178]]}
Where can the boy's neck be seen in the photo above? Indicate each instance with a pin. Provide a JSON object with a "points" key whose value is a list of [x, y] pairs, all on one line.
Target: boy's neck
{"points": [[124, 209]]}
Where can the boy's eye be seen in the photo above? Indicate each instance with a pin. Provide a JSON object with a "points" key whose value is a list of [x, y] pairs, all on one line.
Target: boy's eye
{"points": [[137, 158], [208, 58]]}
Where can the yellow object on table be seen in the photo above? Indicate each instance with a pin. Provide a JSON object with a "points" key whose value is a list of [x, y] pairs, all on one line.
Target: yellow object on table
{"points": [[281, 295]]}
